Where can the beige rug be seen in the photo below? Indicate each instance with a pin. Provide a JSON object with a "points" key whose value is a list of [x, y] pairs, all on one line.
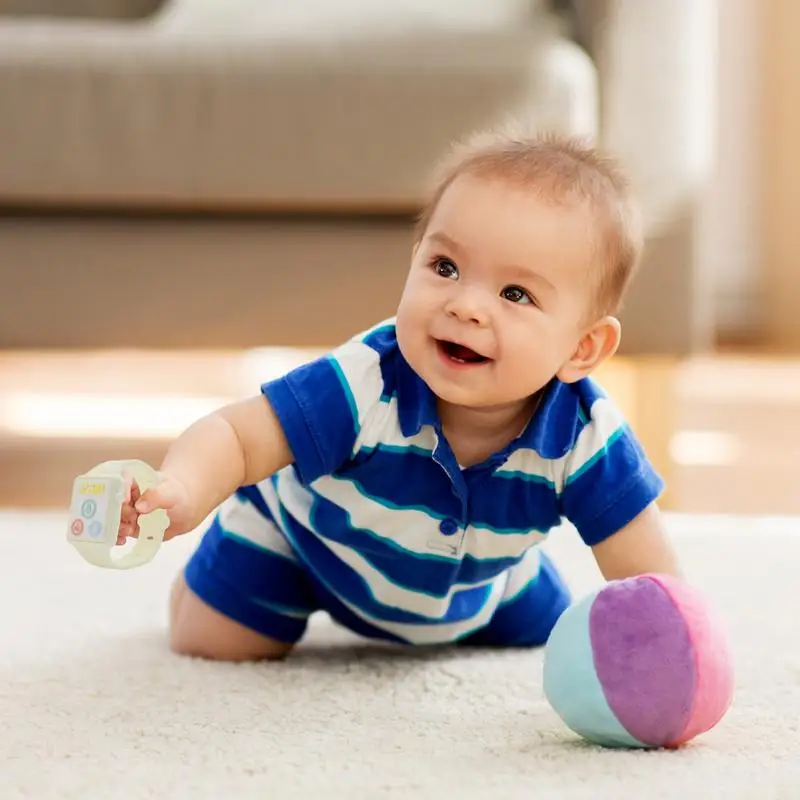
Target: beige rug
{"points": [[94, 706]]}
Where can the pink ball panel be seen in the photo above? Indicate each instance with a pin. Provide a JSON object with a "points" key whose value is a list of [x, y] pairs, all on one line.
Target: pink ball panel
{"points": [[714, 679]]}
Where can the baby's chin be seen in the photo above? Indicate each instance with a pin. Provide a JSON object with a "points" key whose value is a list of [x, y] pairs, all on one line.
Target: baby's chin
{"points": [[466, 397]]}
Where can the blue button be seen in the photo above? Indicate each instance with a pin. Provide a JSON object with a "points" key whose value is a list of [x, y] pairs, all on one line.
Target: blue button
{"points": [[448, 527]]}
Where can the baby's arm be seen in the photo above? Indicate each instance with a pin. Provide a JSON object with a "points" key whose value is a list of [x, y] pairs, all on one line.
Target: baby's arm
{"points": [[610, 492], [240, 444], [640, 546]]}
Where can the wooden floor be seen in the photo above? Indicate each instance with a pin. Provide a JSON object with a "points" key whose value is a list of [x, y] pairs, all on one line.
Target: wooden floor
{"points": [[735, 448], [738, 436]]}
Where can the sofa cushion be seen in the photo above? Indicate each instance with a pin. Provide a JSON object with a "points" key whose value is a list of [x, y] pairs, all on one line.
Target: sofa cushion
{"points": [[274, 114], [307, 18], [103, 9]]}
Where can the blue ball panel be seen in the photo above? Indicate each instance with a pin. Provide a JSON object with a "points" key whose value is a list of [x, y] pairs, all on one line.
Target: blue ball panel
{"points": [[571, 685]]}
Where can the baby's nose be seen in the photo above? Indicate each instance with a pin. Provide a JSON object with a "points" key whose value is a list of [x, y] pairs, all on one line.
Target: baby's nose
{"points": [[469, 305]]}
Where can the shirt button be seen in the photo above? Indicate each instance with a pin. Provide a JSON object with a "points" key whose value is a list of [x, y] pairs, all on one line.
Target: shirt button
{"points": [[448, 527]]}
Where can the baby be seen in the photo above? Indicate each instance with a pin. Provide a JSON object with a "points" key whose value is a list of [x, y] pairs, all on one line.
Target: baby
{"points": [[403, 482]]}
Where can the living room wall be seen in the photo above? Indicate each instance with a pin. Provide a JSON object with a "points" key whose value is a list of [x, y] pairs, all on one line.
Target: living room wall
{"points": [[780, 165]]}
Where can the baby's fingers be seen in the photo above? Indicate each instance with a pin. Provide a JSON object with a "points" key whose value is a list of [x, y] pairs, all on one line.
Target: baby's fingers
{"points": [[128, 524], [125, 531], [132, 491], [162, 496], [129, 515]]}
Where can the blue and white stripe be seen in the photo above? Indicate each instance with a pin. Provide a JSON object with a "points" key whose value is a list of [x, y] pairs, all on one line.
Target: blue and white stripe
{"points": [[376, 509]]}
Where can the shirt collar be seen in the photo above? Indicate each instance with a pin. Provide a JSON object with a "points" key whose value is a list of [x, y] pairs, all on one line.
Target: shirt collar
{"points": [[551, 432], [416, 403], [556, 423]]}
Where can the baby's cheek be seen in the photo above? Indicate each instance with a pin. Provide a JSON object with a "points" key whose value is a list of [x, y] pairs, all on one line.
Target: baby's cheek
{"points": [[534, 358]]}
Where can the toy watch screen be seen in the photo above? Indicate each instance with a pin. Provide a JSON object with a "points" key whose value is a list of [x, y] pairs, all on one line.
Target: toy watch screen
{"points": [[92, 499]]}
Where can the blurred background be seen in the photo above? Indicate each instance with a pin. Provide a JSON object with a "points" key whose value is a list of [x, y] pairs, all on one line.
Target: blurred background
{"points": [[196, 195]]}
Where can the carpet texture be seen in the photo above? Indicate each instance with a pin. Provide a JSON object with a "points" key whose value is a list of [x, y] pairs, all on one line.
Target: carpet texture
{"points": [[94, 705]]}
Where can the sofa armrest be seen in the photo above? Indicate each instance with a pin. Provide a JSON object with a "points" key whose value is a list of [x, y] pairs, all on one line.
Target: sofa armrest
{"points": [[655, 64]]}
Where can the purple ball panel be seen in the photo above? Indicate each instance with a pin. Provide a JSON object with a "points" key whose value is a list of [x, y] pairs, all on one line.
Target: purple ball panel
{"points": [[644, 659]]}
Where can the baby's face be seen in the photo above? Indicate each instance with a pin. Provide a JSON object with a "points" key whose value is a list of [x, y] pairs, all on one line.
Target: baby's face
{"points": [[497, 293]]}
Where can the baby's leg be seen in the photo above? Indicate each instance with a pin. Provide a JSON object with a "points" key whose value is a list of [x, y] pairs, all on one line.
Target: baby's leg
{"points": [[198, 629], [243, 595]]}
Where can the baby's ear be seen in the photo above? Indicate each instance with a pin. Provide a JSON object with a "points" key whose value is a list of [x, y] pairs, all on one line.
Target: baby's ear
{"points": [[597, 344]]}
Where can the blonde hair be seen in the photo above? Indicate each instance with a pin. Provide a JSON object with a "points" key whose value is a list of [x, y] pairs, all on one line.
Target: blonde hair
{"points": [[563, 170]]}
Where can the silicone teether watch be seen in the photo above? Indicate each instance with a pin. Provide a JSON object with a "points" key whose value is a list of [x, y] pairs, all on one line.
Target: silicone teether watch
{"points": [[97, 498]]}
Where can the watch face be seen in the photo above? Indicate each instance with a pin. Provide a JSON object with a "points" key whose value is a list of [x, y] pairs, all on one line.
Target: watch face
{"points": [[95, 508]]}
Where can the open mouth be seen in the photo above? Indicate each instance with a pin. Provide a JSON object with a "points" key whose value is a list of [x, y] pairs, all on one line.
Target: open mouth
{"points": [[460, 354]]}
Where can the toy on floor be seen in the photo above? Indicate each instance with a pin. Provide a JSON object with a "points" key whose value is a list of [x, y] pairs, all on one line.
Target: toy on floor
{"points": [[641, 662], [95, 509]]}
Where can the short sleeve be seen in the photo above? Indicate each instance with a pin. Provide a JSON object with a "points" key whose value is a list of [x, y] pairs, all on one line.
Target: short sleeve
{"points": [[608, 480], [323, 405]]}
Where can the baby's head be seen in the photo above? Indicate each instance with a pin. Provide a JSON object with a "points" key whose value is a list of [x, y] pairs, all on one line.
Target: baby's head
{"points": [[522, 258]]}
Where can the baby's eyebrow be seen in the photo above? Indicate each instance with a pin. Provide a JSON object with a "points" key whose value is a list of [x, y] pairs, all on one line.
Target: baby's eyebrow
{"points": [[447, 241], [524, 274]]}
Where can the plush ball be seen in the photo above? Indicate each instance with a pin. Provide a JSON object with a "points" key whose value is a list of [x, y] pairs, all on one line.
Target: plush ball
{"points": [[641, 662]]}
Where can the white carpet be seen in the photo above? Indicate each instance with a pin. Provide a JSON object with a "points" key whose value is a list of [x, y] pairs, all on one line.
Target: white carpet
{"points": [[94, 706]]}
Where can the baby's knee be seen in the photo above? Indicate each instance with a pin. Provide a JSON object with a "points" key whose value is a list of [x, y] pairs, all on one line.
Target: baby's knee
{"points": [[198, 630]]}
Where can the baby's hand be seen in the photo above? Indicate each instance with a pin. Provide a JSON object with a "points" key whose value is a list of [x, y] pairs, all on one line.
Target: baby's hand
{"points": [[170, 494]]}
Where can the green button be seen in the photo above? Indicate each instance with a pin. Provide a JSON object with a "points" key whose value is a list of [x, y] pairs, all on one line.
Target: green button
{"points": [[88, 508]]}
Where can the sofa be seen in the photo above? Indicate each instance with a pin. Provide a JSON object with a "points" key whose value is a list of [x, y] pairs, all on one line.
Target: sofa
{"points": [[194, 174]]}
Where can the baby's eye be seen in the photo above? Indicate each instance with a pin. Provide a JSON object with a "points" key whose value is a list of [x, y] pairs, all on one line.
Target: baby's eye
{"points": [[514, 294], [445, 268]]}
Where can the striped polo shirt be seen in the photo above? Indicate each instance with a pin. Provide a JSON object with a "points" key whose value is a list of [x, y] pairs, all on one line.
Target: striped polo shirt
{"points": [[376, 507]]}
